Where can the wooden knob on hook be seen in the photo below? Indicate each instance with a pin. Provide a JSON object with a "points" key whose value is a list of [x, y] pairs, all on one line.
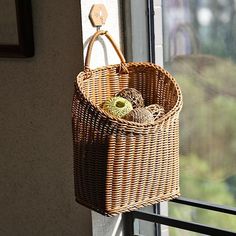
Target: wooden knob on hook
{"points": [[98, 15]]}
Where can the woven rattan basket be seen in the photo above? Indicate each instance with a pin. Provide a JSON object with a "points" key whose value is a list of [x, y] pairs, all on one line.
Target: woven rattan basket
{"points": [[121, 165]]}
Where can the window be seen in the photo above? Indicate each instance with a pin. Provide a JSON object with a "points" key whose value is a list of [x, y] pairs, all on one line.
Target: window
{"points": [[199, 49]]}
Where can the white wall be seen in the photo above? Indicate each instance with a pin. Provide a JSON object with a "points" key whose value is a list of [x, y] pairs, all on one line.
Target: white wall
{"points": [[103, 54], [158, 32]]}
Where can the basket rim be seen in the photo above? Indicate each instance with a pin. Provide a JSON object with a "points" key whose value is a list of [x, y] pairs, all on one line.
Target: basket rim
{"points": [[171, 113]]}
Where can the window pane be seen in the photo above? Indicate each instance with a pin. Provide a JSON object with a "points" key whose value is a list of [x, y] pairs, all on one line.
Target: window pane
{"points": [[144, 228], [181, 232], [200, 50], [197, 215]]}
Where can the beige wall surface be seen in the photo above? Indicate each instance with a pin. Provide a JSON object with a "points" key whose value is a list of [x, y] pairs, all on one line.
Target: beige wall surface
{"points": [[36, 161]]}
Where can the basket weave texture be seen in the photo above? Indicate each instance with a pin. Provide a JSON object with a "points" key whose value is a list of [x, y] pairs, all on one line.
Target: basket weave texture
{"points": [[121, 165]]}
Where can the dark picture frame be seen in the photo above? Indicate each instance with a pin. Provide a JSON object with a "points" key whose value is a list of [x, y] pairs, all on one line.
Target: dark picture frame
{"points": [[25, 46]]}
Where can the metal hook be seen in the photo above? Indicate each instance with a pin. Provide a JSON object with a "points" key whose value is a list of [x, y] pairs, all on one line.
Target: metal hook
{"points": [[98, 27]]}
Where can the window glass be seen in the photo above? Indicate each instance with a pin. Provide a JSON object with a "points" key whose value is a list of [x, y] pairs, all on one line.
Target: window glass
{"points": [[142, 227], [183, 232], [200, 51]]}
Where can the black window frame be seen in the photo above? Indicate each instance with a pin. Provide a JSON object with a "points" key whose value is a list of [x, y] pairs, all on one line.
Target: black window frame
{"points": [[180, 224]]}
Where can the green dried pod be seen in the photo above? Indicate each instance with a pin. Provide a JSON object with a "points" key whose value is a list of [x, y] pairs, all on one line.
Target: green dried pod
{"points": [[117, 106]]}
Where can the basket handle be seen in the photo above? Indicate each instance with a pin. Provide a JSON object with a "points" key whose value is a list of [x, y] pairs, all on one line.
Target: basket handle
{"points": [[90, 46]]}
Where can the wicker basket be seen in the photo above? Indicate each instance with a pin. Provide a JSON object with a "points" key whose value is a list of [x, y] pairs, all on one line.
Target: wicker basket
{"points": [[121, 165]]}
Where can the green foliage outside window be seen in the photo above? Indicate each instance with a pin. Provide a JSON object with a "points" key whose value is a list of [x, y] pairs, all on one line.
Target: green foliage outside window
{"points": [[208, 138], [200, 50]]}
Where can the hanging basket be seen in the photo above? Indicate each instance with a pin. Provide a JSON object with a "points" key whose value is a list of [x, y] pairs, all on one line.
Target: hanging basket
{"points": [[121, 165]]}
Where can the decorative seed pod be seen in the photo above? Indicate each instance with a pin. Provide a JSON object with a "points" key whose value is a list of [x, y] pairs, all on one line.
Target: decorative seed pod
{"points": [[133, 95], [140, 115], [117, 106], [156, 110]]}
